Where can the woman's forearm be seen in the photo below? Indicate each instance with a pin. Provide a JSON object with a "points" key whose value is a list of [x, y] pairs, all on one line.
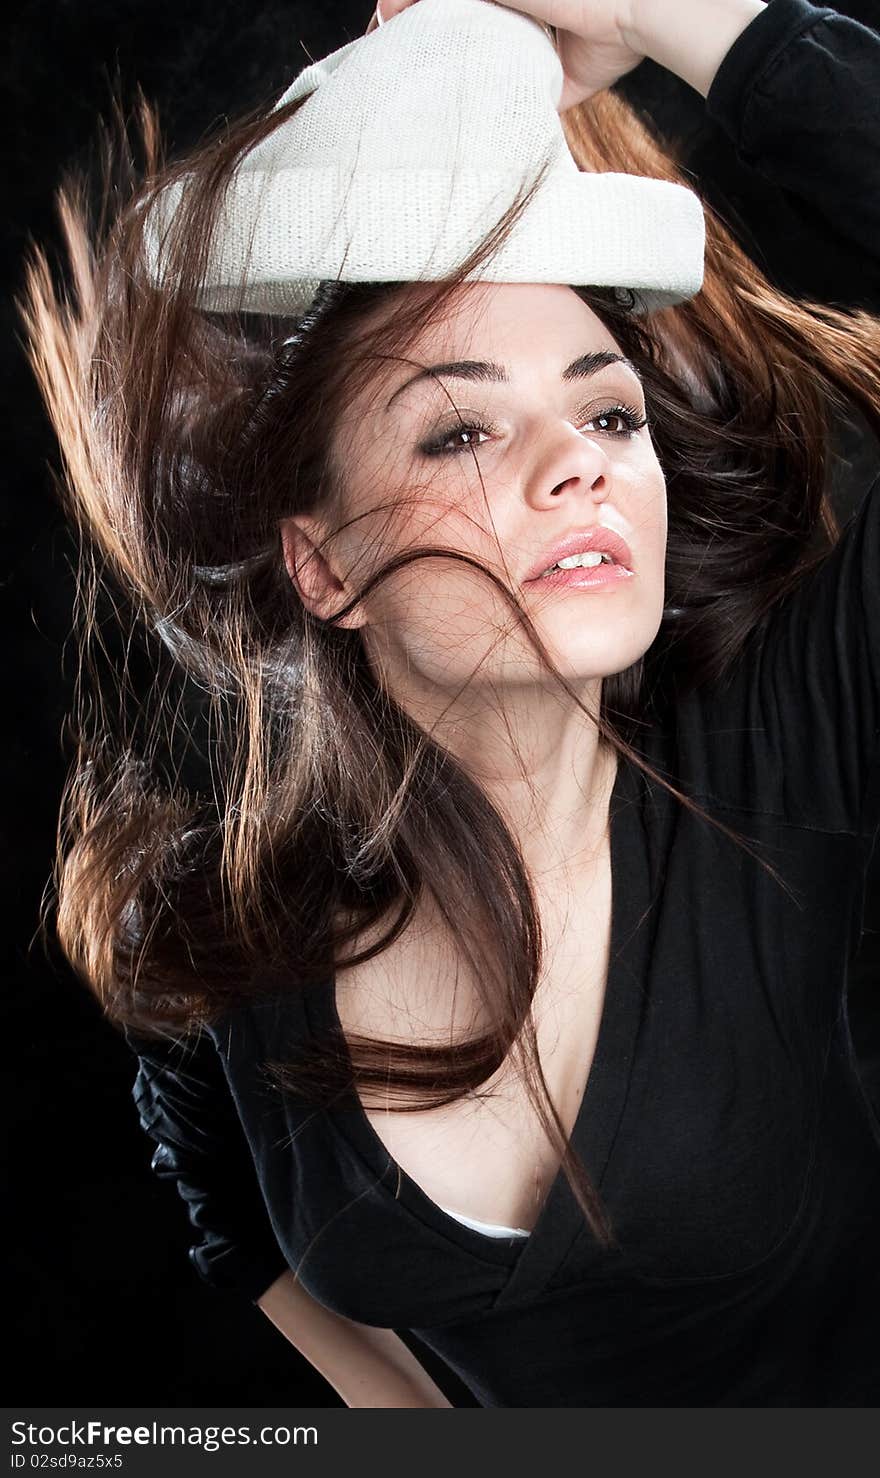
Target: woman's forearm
{"points": [[689, 37], [367, 1366]]}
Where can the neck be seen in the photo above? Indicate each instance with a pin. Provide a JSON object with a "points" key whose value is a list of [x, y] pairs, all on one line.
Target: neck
{"points": [[539, 758]]}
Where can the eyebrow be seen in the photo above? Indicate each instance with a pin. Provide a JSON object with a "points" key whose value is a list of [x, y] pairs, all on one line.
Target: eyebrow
{"points": [[485, 371]]}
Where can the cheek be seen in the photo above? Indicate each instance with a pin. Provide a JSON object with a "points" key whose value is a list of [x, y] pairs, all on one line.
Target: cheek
{"points": [[402, 508], [649, 509], [421, 604], [660, 515]]}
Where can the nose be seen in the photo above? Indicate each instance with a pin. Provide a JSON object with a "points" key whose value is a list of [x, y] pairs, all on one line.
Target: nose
{"points": [[576, 464]]}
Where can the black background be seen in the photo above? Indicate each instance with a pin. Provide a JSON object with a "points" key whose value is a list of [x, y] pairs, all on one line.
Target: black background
{"points": [[102, 1305]]}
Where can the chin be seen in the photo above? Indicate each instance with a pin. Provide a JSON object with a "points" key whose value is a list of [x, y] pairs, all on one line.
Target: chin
{"points": [[611, 642]]}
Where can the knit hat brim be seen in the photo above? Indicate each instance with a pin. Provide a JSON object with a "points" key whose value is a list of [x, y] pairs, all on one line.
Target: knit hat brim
{"points": [[377, 217]]}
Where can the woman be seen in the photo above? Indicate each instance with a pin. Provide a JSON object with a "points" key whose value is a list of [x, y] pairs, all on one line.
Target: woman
{"points": [[455, 890]]}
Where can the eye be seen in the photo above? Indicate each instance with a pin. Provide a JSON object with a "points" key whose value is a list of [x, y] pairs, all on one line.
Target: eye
{"points": [[443, 445], [632, 420]]}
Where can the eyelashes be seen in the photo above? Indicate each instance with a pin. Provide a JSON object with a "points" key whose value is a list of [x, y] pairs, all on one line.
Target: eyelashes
{"points": [[439, 446]]}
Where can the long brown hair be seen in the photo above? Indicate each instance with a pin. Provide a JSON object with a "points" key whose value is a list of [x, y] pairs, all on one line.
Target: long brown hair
{"points": [[266, 799]]}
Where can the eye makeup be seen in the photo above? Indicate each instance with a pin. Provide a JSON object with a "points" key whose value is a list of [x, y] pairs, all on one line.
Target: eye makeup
{"points": [[437, 444]]}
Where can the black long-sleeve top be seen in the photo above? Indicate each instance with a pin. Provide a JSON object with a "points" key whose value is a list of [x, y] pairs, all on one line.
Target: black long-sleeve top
{"points": [[723, 1121]]}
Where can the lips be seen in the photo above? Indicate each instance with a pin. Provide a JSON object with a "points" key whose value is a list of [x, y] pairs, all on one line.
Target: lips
{"points": [[583, 541]]}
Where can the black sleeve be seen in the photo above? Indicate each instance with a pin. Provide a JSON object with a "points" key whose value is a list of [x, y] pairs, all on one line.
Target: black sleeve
{"points": [[820, 674], [798, 94], [795, 726], [184, 1104]]}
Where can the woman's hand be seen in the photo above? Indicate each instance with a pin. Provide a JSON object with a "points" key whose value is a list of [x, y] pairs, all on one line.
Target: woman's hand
{"points": [[599, 41]]}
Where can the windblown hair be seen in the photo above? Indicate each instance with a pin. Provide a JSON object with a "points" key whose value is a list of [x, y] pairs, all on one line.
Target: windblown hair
{"points": [[266, 800]]}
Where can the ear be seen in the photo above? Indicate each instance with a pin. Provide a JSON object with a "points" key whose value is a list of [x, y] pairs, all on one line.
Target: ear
{"points": [[319, 589]]}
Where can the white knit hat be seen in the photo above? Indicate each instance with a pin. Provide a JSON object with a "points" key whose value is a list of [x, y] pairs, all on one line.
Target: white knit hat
{"points": [[413, 142]]}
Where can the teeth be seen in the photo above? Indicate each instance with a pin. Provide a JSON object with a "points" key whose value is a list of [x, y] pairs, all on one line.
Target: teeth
{"points": [[581, 561], [576, 561]]}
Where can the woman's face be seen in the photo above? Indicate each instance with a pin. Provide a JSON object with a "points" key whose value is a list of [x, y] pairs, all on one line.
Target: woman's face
{"points": [[556, 456]]}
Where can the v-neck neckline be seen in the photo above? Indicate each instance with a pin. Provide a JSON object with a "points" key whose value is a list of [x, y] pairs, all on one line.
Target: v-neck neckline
{"points": [[560, 1219]]}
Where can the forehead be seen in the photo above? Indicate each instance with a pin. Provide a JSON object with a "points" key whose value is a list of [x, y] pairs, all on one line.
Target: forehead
{"points": [[517, 322]]}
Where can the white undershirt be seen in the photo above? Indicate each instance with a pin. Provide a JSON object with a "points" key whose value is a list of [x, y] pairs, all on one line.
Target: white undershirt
{"points": [[491, 1228]]}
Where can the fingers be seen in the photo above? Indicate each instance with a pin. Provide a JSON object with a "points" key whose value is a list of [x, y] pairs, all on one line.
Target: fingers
{"points": [[388, 9]]}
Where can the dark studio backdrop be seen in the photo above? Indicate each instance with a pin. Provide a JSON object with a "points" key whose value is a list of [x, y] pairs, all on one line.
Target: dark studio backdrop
{"points": [[102, 1305]]}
